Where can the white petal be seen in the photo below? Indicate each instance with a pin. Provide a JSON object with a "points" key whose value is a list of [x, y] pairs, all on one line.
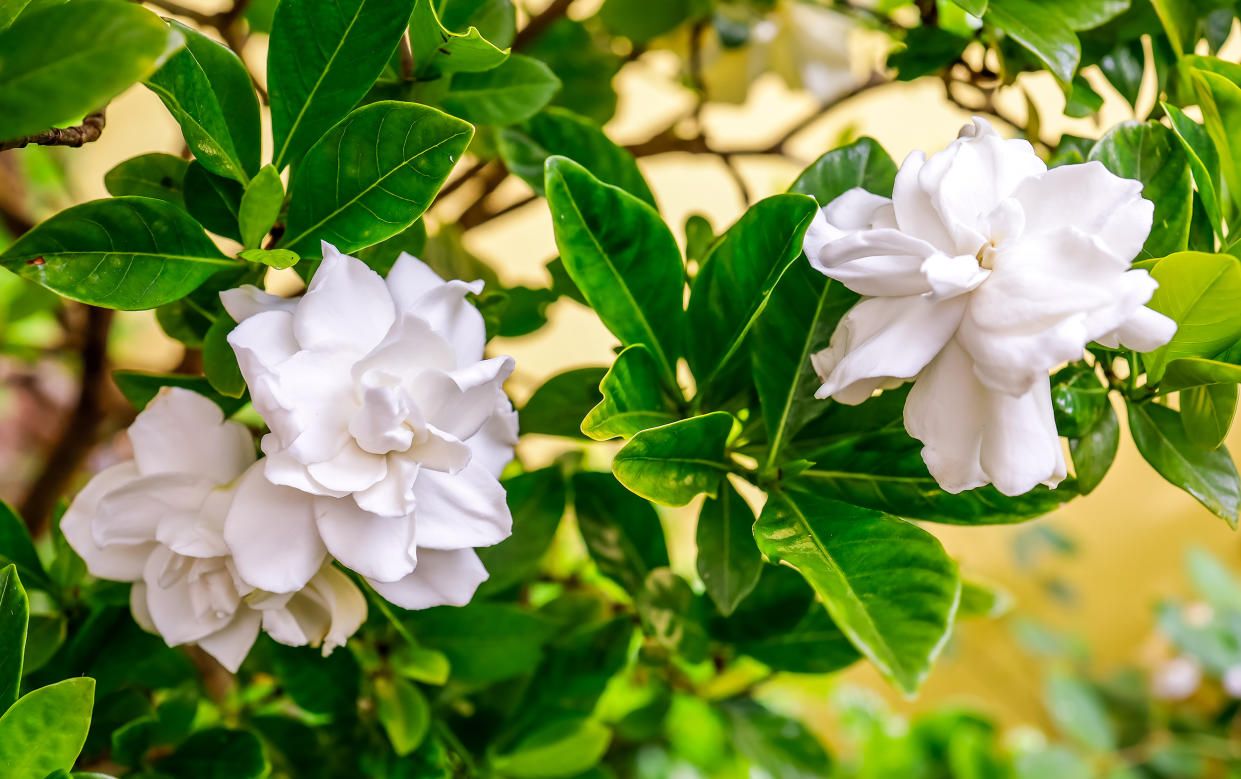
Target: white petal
{"points": [[440, 451], [315, 390], [272, 534], [409, 279], [410, 346], [951, 276], [232, 643], [248, 300], [262, 343], [875, 262], [455, 318], [459, 510], [442, 578], [380, 548], [915, 213], [350, 470], [945, 411], [461, 401], [183, 432], [172, 607], [134, 513], [122, 562], [1020, 445], [1145, 331], [138, 606], [393, 496], [492, 445], [347, 306], [282, 468], [327, 612]]}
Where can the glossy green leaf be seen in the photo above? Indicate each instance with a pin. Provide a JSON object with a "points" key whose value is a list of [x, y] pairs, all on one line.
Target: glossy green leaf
{"points": [[1203, 162], [421, 664], [438, 51], [511, 93], [127, 252], [155, 175], [562, 748], [1093, 450], [927, 50], [1179, 20], [141, 388], [321, 59], [371, 176], [1149, 152], [537, 500], [558, 406], [63, 61], [1199, 292], [1220, 101], [484, 642], [17, 548], [735, 284], [1209, 475], [1124, 67], [632, 398], [260, 206], [1207, 413], [219, 360], [555, 131], [272, 258], [887, 584], [674, 463], [1197, 371], [975, 7], [1079, 712], [14, 617], [729, 563], [496, 20], [1078, 398], [641, 20], [382, 256], [781, 746], [213, 200], [45, 730], [403, 712], [862, 163], [218, 753], [207, 90], [623, 258], [621, 530], [664, 604], [1046, 35]]}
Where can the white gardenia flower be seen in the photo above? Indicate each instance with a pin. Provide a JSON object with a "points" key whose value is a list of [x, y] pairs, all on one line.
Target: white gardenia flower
{"points": [[982, 273], [158, 521], [381, 404]]}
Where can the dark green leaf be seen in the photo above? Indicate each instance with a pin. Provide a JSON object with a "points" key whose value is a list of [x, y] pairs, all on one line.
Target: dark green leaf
{"points": [[1179, 20], [155, 175], [927, 50], [1078, 398], [213, 200], [496, 20], [1199, 292], [260, 206], [218, 753], [781, 746], [1220, 101], [1047, 35], [322, 58], [560, 404], [438, 51], [888, 584], [728, 560], [318, 684], [665, 605], [371, 176], [621, 530], [207, 90], [44, 638], [562, 748], [1124, 67], [140, 388], [14, 616], [484, 642], [511, 93], [16, 547], [1203, 161], [674, 463], [1207, 413], [699, 235], [382, 256], [641, 20], [555, 131], [45, 730], [537, 501], [1083, 101], [127, 252], [404, 713], [1094, 450], [63, 61], [862, 163], [219, 360], [1209, 475], [622, 256], [1079, 713], [632, 398], [585, 65]]}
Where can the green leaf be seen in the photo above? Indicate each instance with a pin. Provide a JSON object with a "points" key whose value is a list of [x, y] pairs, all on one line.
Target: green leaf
{"points": [[729, 563], [141, 388], [886, 583], [622, 257], [1199, 292], [438, 51], [665, 603], [1046, 35], [982, 600], [371, 176], [213, 200], [585, 64], [1220, 101], [537, 500], [641, 20], [632, 398], [154, 175], [1078, 399], [975, 7], [260, 206], [559, 405], [1213, 580], [403, 712], [219, 360], [621, 531], [563, 748], [318, 684], [1207, 413], [511, 93], [16, 547], [421, 664], [674, 463], [218, 753], [1083, 101], [862, 163], [496, 20], [45, 730], [1079, 713], [1150, 153], [382, 256], [926, 50], [1124, 67], [781, 746], [14, 617], [63, 61], [1197, 371], [272, 258], [1209, 475], [321, 60], [555, 131], [1094, 449], [1179, 21], [128, 252], [207, 90], [44, 638], [484, 642], [1203, 162], [735, 284]]}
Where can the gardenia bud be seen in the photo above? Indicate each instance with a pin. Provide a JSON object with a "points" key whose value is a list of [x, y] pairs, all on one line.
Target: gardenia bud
{"points": [[983, 272], [1177, 679], [158, 521], [381, 405]]}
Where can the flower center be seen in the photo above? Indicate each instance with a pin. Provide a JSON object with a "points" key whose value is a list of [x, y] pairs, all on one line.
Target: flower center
{"points": [[986, 255]]}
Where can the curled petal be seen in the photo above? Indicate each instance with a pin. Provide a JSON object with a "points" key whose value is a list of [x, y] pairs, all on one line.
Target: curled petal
{"points": [[230, 644], [1020, 446], [380, 548], [347, 306], [272, 534], [119, 561], [248, 300], [1145, 331], [183, 432], [442, 578], [459, 510], [946, 412]]}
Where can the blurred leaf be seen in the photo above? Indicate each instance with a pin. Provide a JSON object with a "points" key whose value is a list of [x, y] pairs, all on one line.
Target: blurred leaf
{"points": [[318, 684], [781, 746], [1056, 761], [321, 59], [439, 51], [1178, 19], [17, 547], [430, 666], [140, 388], [513, 92], [665, 603], [537, 500], [699, 235], [585, 65], [623, 258], [371, 176], [1079, 713], [260, 206], [888, 584], [484, 642], [44, 638], [1220, 102], [1209, 475], [632, 398], [496, 20], [291, 745], [1213, 580], [404, 713], [14, 616], [383, 255], [982, 600], [562, 748], [1124, 68], [1196, 372], [154, 175], [213, 200], [729, 563], [1198, 291], [45, 730], [1045, 33], [862, 163], [1083, 101], [207, 90], [559, 405], [926, 50], [674, 463], [641, 20], [1207, 413], [621, 530], [63, 61], [217, 753]]}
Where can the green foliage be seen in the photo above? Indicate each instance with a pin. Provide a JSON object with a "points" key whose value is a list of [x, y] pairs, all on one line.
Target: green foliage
{"points": [[728, 562], [671, 464], [1207, 474], [1148, 152], [511, 92]]}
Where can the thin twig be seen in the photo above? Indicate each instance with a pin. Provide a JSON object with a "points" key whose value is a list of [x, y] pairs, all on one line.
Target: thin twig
{"points": [[176, 9], [465, 176], [89, 130], [541, 22]]}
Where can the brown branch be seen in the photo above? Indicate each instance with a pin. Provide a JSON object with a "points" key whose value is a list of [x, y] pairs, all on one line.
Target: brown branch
{"points": [[476, 212], [537, 24], [467, 175], [81, 428], [89, 130], [176, 9], [406, 51]]}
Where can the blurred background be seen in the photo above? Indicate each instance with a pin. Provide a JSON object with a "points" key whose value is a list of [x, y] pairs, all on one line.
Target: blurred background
{"points": [[1094, 571]]}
